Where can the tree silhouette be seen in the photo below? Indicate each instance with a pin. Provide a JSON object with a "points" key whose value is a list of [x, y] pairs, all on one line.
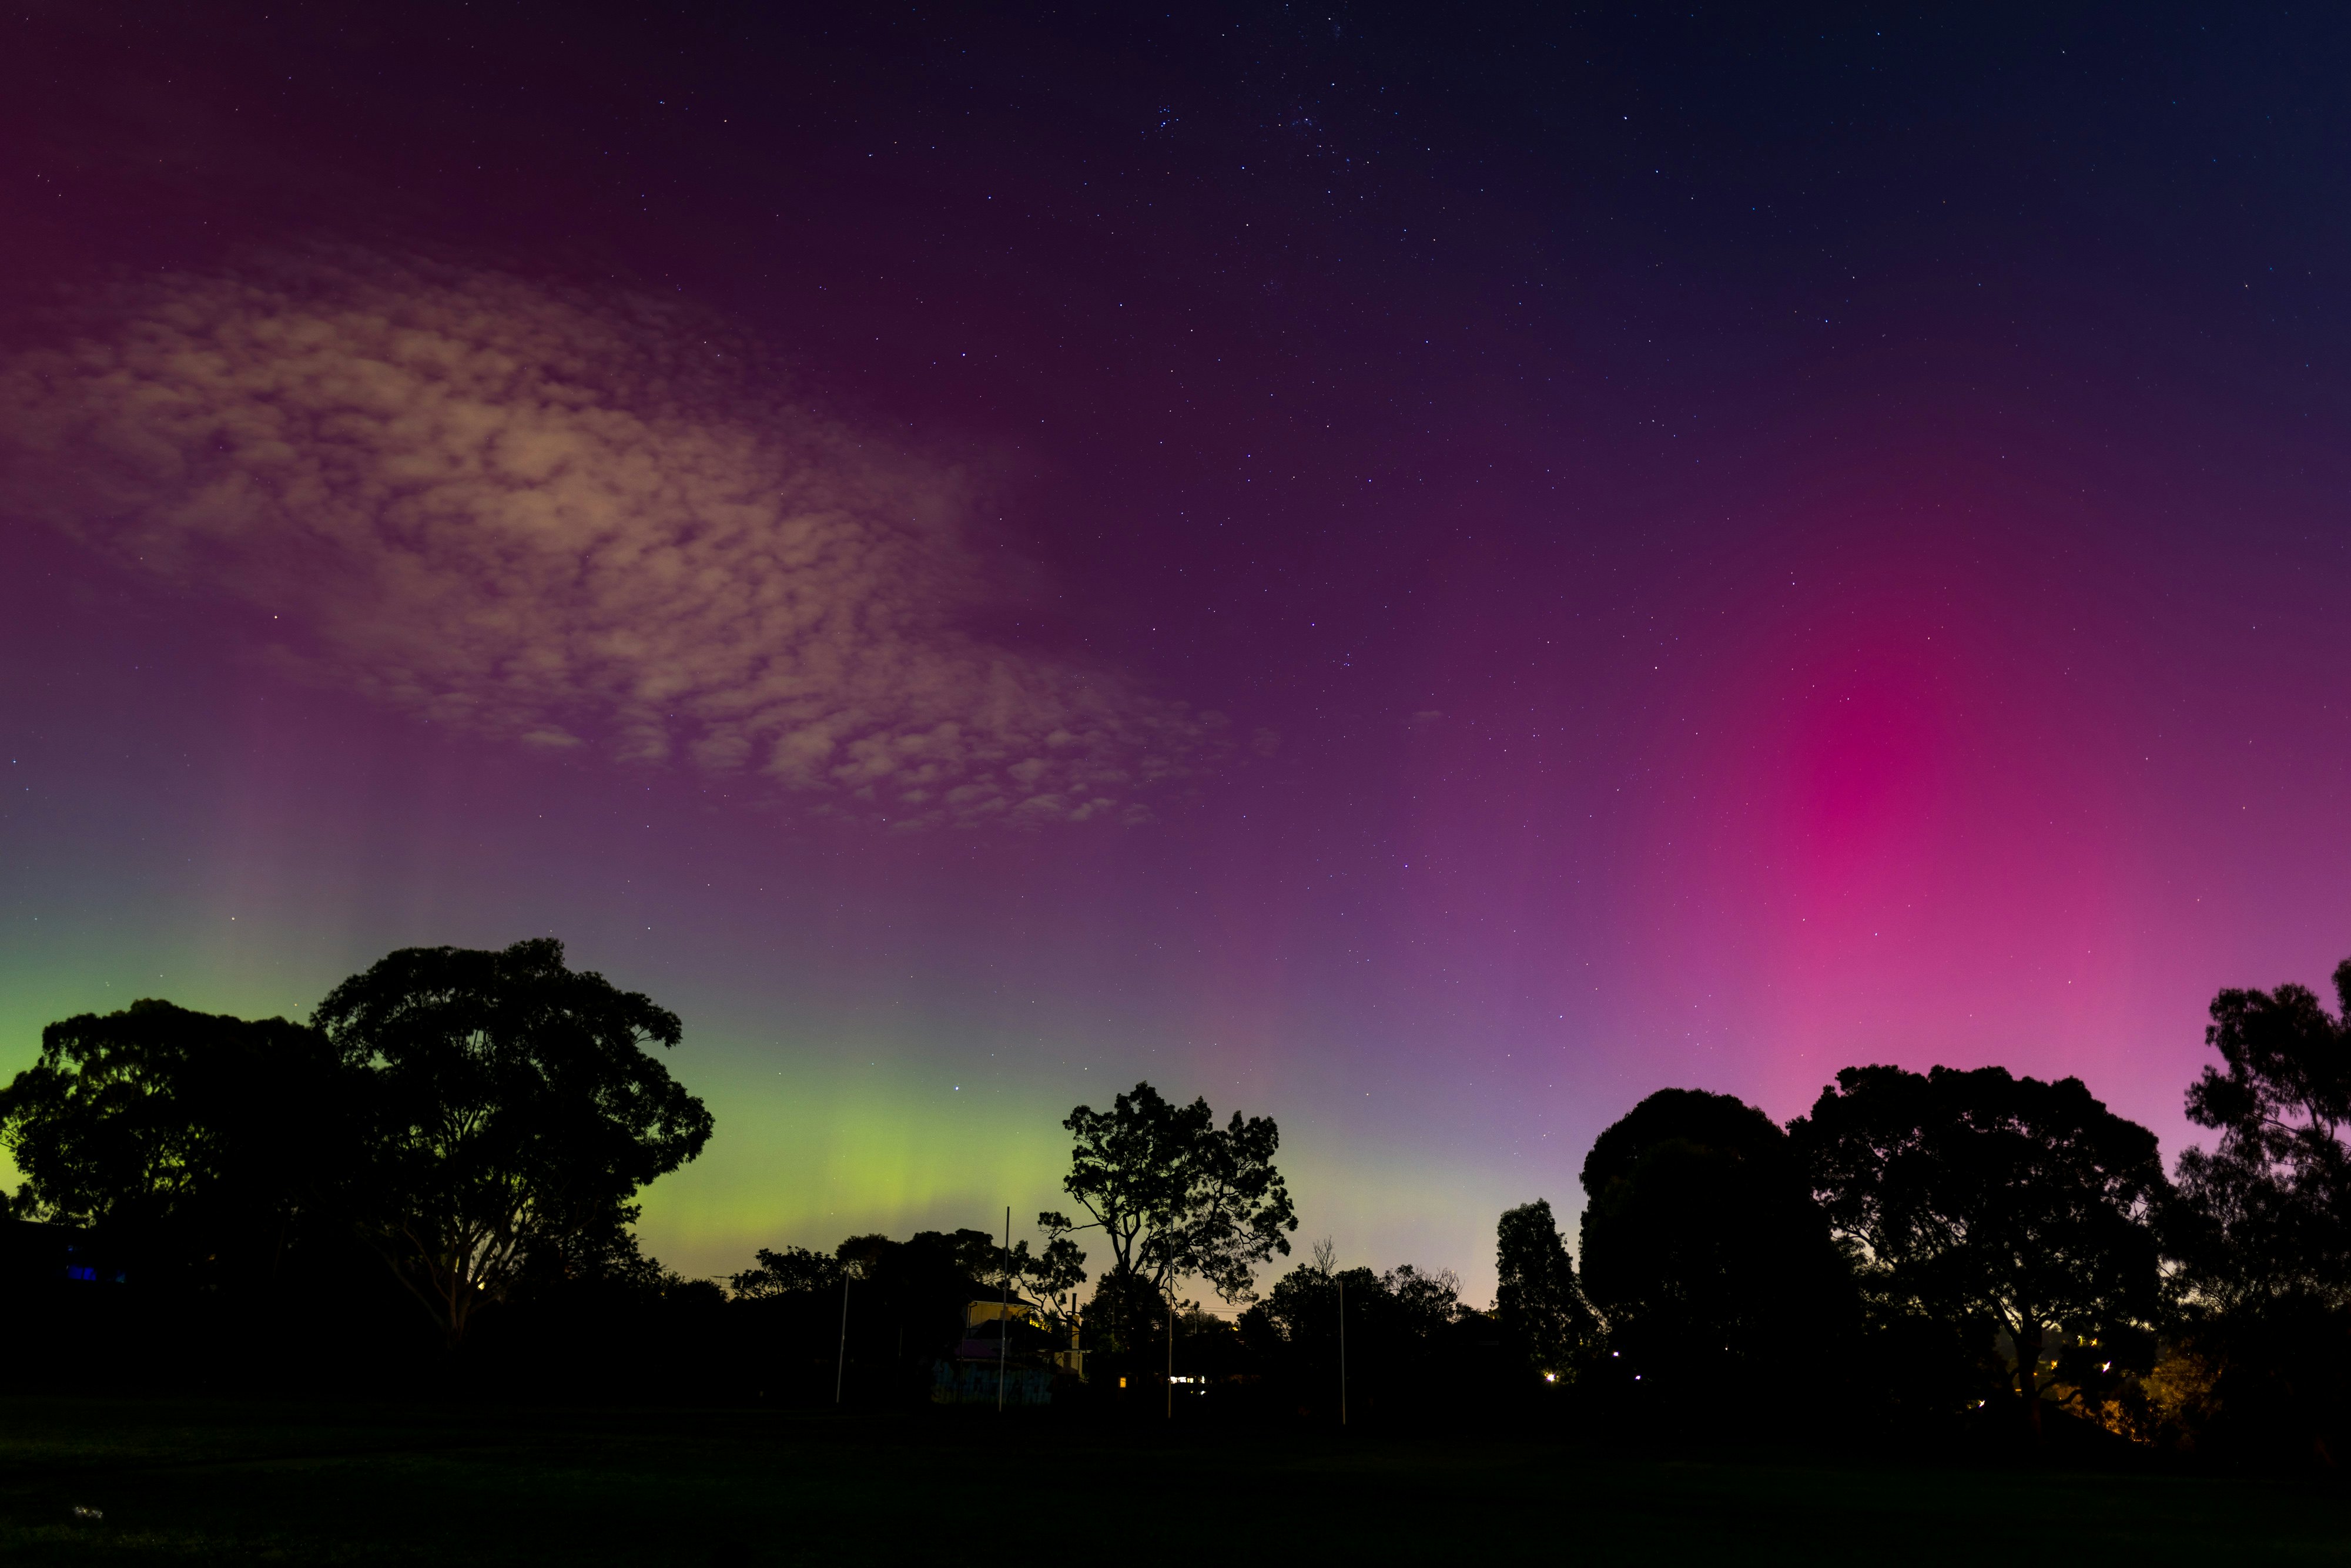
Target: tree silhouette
{"points": [[513, 1111], [905, 1307], [1542, 1315], [203, 1142], [1703, 1249], [2263, 1230], [793, 1271], [1051, 1278], [1982, 1200], [1175, 1195], [1405, 1335], [2267, 1211]]}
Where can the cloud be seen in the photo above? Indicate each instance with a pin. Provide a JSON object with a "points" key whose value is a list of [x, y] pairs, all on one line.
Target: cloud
{"points": [[571, 519]]}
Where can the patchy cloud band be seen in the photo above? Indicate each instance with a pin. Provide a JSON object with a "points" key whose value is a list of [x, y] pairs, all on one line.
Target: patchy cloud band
{"points": [[563, 517]]}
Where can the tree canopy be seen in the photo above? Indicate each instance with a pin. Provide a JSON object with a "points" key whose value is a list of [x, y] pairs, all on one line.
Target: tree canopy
{"points": [[1980, 1199], [2268, 1210], [1541, 1312], [1410, 1341], [482, 1122], [1176, 1196], [513, 1111], [791, 1271], [1702, 1246], [1048, 1277], [201, 1140]]}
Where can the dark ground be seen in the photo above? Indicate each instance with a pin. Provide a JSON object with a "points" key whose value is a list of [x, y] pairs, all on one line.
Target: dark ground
{"points": [[182, 1481]]}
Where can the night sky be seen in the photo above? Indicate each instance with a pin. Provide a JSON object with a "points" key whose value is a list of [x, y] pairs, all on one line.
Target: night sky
{"points": [[1419, 576]]}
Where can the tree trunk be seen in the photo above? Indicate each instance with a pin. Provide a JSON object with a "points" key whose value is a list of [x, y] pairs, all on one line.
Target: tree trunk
{"points": [[2029, 1341]]}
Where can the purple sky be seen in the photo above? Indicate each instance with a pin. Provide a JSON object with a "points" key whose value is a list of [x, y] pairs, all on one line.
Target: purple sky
{"points": [[1423, 584]]}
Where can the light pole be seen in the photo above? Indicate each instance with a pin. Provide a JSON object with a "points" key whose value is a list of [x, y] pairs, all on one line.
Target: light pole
{"points": [[1343, 1352], [841, 1368], [1171, 1357], [1004, 1312]]}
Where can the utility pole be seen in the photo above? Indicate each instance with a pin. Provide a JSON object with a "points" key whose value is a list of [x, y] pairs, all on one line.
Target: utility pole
{"points": [[1343, 1353], [1171, 1357], [841, 1368], [1004, 1312]]}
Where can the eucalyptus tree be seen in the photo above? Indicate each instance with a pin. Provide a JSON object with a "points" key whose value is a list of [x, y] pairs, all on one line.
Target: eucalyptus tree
{"points": [[513, 1112], [1176, 1196], [2262, 1235], [2266, 1212], [1989, 1203], [203, 1145]]}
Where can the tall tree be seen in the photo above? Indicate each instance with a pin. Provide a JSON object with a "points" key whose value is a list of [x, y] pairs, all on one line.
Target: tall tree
{"points": [[1176, 1196], [1542, 1314], [514, 1111], [2263, 1230], [2267, 1210], [201, 1142], [1703, 1248], [1991, 1202]]}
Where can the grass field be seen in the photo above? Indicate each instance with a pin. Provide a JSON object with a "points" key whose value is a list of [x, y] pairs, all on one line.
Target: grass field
{"points": [[284, 1483]]}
